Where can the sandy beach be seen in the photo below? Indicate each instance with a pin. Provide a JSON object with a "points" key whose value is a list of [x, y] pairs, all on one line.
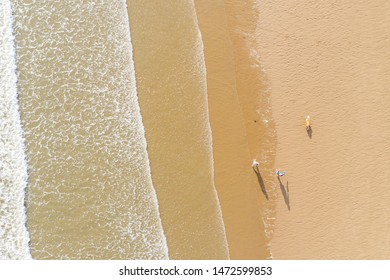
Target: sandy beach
{"points": [[292, 60], [129, 129], [238, 190], [329, 61]]}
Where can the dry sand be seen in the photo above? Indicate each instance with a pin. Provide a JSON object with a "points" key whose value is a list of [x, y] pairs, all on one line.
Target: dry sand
{"points": [[330, 60]]}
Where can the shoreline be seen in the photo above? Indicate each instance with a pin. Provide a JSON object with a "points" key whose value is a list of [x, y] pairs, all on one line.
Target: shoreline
{"points": [[246, 199], [254, 98], [235, 185], [175, 116]]}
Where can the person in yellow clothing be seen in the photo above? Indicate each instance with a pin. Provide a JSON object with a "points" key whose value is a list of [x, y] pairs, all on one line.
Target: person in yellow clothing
{"points": [[308, 123]]}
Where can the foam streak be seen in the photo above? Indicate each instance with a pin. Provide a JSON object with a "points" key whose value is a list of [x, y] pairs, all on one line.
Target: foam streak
{"points": [[13, 171]]}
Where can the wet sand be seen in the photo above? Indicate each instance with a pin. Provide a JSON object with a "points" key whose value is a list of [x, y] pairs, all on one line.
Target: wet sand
{"points": [[172, 91], [330, 61], [210, 103], [254, 99], [239, 191]]}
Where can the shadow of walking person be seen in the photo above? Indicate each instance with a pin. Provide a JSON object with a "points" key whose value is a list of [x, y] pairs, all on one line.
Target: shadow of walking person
{"points": [[261, 182], [309, 131], [285, 192]]}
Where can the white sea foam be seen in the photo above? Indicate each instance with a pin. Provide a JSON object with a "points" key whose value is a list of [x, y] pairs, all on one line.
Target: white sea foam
{"points": [[90, 189], [142, 141], [14, 238]]}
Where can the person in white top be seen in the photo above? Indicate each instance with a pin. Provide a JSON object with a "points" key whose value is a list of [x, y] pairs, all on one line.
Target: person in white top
{"points": [[278, 173], [255, 164]]}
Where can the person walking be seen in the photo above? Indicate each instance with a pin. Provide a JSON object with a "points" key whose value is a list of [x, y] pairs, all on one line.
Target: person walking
{"points": [[279, 173], [308, 123], [255, 164]]}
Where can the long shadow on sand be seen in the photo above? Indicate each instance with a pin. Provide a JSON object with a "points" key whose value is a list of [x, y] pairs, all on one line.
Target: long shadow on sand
{"points": [[261, 182], [285, 192], [309, 132]]}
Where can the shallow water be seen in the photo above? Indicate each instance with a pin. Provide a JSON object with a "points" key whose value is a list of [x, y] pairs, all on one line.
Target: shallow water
{"points": [[254, 94], [171, 82], [13, 170], [241, 192], [90, 192], [92, 120]]}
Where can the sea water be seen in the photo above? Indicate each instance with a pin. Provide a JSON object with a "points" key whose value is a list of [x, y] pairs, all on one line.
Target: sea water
{"points": [[172, 88], [13, 171], [90, 193]]}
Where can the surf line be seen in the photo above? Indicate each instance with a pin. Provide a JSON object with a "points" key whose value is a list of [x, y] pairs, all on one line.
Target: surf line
{"points": [[14, 237]]}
